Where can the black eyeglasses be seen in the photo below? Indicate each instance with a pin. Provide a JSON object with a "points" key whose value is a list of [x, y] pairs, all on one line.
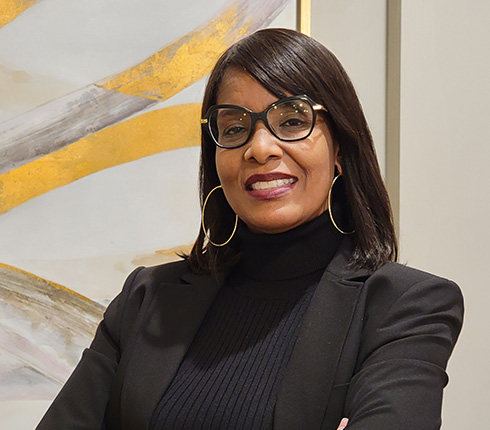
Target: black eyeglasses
{"points": [[289, 119]]}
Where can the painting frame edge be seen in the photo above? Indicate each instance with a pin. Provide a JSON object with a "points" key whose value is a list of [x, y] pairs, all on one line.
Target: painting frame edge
{"points": [[303, 16]]}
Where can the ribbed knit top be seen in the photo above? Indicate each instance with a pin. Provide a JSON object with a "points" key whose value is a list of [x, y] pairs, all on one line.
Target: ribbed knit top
{"points": [[232, 372]]}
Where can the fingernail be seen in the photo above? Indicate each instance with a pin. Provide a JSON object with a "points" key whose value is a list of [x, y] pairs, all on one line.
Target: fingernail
{"points": [[343, 423]]}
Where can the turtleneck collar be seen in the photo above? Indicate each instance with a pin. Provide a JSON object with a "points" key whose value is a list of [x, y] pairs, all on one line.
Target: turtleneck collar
{"points": [[292, 254]]}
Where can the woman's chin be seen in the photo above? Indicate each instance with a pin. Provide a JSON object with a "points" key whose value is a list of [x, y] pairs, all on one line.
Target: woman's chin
{"points": [[274, 225], [281, 220]]}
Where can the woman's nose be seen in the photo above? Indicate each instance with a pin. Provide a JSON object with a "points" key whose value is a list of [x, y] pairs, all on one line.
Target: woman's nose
{"points": [[263, 145]]}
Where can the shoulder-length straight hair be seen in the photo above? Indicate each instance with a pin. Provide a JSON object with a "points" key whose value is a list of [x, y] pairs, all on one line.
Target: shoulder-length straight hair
{"points": [[287, 62]]}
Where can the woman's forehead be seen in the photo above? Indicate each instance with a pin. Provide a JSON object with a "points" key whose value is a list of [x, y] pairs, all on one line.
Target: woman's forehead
{"points": [[240, 88]]}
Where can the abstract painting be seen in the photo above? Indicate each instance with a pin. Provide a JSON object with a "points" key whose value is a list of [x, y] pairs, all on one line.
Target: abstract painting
{"points": [[99, 135]]}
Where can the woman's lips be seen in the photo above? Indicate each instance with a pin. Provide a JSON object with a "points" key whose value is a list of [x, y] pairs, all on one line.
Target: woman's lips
{"points": [[270, 185], [267, 185]]}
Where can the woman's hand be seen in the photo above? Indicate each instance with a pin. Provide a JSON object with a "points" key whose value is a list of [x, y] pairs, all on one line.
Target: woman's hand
{"points": [[343, 424]]}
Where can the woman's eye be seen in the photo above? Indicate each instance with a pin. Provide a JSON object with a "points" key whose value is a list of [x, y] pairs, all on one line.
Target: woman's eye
{"points": [[293, 122], [234, 130]]}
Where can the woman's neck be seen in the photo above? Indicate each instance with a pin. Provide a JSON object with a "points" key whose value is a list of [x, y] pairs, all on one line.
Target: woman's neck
{"points": [[294, 253]]}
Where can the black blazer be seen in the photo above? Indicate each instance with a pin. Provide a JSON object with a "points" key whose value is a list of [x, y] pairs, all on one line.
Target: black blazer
{"points": [[373, 347]]}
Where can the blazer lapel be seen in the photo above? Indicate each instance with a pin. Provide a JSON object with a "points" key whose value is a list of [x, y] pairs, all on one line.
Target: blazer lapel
{"points": [[311, 370], [167, 331]]}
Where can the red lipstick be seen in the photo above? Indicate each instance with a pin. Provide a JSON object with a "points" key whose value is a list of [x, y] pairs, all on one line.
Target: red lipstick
{"points": [[268, 186]]}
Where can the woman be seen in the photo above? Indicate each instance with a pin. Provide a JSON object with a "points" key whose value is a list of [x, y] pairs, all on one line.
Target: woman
{"points": [[289, 312]]}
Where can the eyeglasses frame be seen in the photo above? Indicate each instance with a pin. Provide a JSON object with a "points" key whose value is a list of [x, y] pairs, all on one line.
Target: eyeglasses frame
{"points": [[255, 116]]}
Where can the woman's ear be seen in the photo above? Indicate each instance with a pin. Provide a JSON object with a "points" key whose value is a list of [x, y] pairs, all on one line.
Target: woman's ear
{"points": [[338, 169], [338, 160]]}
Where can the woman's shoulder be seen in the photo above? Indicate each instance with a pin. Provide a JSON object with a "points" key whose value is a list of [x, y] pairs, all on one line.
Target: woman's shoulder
{"points": [[394, 281], [162, 273], [402, 273], [143, 283], [140, 289]]}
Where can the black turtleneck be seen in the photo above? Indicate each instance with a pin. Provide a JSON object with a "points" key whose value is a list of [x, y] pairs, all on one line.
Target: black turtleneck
{"points": [[232, 372]]}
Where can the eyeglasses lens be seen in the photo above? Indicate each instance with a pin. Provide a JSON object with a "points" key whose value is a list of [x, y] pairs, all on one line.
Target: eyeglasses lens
{"points": [[289, 120], [230, 126]]}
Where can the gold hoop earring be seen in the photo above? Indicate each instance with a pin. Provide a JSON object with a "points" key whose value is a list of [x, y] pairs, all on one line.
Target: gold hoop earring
{"points": [[204, 227], [329, 199]]}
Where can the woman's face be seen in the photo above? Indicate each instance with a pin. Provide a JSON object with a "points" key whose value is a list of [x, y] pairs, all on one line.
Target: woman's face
{"points": [[274, 186]]}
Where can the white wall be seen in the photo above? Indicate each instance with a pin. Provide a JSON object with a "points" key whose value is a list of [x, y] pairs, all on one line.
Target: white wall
{"points": [[444, 155], [445, 176]]}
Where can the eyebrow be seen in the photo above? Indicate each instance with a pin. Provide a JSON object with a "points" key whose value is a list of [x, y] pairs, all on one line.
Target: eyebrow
{"points": [[232, 112]]}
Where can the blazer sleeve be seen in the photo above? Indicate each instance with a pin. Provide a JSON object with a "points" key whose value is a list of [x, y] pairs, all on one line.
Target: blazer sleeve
{"points": [[82, 402], [406, 342]]}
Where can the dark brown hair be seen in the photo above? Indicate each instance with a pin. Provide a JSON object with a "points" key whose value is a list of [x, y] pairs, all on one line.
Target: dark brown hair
{"points": [[285, 61]]}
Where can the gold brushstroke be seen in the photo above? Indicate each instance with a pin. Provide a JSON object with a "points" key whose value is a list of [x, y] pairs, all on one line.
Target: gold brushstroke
{"points": [[55, 325], [159, 77], [172, 251], [42, 280], [183, 62], [151, 133], [161, 256], [11, 9]]}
